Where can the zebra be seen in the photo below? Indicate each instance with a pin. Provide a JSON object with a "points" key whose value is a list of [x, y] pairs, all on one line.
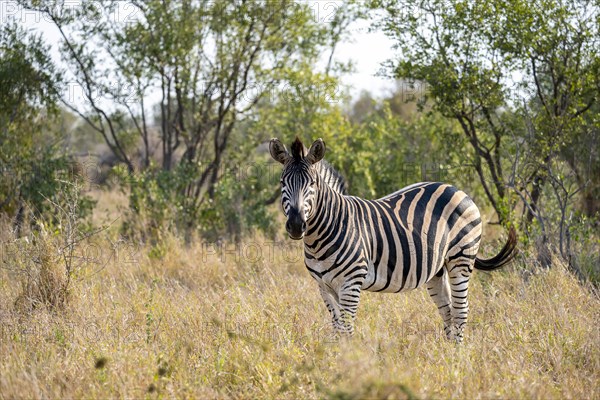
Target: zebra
{"points": [[426, 234]]}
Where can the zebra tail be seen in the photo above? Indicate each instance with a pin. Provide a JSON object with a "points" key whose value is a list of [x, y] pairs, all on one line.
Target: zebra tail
{"points": [[506, 254]]}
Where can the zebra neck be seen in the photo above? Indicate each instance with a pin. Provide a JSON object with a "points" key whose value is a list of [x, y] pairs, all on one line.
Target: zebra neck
{"points": [[330, 215]]}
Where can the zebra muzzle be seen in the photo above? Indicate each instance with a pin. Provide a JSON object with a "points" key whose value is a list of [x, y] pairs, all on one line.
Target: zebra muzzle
{"points": [[295, 225]]}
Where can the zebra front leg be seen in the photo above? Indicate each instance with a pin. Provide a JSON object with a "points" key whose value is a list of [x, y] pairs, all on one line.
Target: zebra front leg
{"points": [[439, 291], [349, 296], [331, 302]]}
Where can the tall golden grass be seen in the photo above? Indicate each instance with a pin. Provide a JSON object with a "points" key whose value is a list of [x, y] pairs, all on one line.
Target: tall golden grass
{"points": [[220, 321]]}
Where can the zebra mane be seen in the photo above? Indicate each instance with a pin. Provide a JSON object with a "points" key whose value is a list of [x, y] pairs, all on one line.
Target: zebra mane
{"points": [[298, 149], [333, 178]]}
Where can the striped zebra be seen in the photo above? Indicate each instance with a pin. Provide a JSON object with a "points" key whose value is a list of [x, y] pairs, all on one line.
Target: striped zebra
{"points": [[426, 234]]}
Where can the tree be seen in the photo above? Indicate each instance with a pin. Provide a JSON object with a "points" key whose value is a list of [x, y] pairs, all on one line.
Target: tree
{"points": [[209, 63], [30, 156], [469, 54], [522, 80]]}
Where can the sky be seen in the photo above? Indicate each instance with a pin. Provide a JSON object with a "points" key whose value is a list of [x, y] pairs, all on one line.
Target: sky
{"points": [[366, 50]]}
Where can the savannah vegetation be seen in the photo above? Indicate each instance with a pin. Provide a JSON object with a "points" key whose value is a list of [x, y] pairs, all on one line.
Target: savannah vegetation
{"points": [[142, 244]]}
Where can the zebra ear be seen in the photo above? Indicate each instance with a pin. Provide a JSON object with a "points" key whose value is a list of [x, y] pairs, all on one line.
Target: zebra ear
{"points": [[278, 151], [316, 151]]}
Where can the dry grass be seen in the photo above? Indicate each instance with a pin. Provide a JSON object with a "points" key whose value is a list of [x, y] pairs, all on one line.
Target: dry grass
{"points": [[186, 323]]}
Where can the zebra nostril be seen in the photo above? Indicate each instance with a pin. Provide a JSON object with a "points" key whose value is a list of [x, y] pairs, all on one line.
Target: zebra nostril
{"points": [[303, 226], [287, 226]]}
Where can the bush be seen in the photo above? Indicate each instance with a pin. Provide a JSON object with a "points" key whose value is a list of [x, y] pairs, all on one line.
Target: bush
{"points": [[50, 255], [160, 201]]}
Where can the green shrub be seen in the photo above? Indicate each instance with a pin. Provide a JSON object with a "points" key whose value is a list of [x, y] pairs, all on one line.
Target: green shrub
{"points": [[161, 201]]}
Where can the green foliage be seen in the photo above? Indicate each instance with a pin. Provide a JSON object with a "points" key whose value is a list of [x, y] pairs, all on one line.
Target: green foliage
{"points": [[240, 205], [27, 77], [518, 76], [160, 203], [583, 233], [155, 200], [388, 153], [379, 147], [509, 114], [212, 62], [521, 79], [31, 160]]}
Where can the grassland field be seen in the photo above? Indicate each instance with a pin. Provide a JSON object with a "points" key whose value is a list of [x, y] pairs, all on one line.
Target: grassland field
{"points": [[203, 321]]}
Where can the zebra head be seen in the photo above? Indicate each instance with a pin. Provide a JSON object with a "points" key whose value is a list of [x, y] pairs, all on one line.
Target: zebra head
{"points": [[299, 182]]}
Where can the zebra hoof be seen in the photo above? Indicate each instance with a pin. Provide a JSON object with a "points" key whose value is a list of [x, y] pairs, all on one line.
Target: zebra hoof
{"points": [[455, 335]]}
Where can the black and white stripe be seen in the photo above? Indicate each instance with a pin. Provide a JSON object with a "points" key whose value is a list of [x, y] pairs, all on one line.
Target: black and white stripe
{"points": [[427, 234]]}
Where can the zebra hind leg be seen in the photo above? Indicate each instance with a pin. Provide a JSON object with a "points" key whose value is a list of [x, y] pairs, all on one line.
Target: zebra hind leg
{"points": [[439, 291], [459, 273]]}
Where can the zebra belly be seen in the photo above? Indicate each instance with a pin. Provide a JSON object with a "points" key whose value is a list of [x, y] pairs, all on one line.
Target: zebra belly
{"points": [[403, 278]]}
